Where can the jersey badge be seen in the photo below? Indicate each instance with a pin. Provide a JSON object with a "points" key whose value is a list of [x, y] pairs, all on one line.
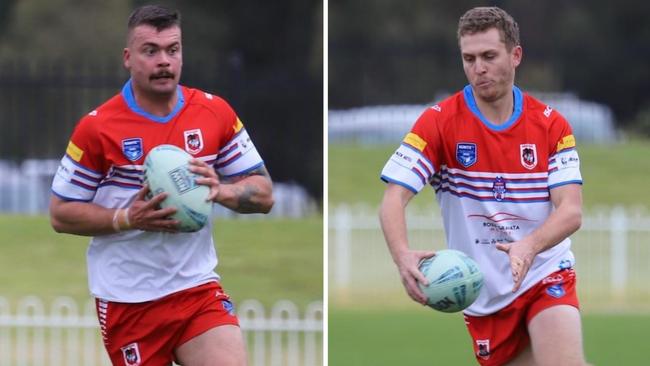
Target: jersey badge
{"points": [[466, 154], [132, 148], [483, 348], [556, 291], [227, 306], [74, 151], [131, 354], [528, 155], [499, 189], [566, 142], [193, 141]]}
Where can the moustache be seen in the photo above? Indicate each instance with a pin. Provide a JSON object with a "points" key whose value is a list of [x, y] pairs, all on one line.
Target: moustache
{"points": [[161, 75]]}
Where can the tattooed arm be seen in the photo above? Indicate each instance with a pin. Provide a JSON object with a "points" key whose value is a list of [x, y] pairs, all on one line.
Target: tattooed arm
{"points": [[247, 193]]}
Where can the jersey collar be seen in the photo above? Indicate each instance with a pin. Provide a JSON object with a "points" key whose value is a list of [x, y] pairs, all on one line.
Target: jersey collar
{"points": [[468, 93], [127, 94]]}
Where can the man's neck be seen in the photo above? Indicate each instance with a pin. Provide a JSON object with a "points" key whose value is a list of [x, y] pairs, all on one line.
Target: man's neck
{"points": [[499, 111], [159, 105]]}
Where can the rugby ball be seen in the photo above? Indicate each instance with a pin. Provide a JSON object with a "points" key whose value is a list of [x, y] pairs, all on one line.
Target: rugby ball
{"points": [[166, 169], [455, 280]]}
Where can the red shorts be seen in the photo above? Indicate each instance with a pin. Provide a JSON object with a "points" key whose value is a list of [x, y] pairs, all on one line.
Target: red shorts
{"points": [[148, 333], [499, 337]]}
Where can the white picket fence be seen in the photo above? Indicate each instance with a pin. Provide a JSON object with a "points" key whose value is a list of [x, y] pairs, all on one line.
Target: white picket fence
{"points": [[67, 335], [612, 251]]}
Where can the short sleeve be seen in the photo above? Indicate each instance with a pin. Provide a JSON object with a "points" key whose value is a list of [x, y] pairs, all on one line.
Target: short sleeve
{"points": [[82, 166], [238, 154], [415, 161], [564, 162]]}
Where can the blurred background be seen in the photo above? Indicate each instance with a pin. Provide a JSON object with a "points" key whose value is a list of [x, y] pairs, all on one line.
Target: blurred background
{"points": [[59, 59], [388, 61]]}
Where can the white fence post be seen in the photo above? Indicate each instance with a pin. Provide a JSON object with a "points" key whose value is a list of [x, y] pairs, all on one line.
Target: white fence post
{"points": [[618, 225], [5, 333]]}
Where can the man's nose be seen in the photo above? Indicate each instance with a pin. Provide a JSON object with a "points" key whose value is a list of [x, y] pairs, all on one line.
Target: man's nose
{"points": [[479, 66], [163, 59]]}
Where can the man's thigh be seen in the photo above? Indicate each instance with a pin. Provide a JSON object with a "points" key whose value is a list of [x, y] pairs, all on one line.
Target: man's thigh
{"points": [[219, 346], [556, 336]]}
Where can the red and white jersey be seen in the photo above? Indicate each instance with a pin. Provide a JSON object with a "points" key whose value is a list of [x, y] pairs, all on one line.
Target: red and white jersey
{"points": [[103, 164], [492, 182]]}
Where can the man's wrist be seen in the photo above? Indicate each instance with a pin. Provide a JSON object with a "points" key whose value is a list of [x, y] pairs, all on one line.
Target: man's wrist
{"points": [[121, 220]]}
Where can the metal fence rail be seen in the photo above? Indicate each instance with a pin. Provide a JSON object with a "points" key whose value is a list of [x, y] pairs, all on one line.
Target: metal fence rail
{"points": [[612, 251], [68, 335]]}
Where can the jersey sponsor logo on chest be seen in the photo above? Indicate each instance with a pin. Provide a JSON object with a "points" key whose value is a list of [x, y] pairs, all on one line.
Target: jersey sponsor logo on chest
{"points": [[466, 154], [528, 155], [193, 141]]}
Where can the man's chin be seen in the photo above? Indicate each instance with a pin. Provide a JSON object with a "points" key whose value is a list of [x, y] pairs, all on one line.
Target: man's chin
{"points": [[163, 89]]}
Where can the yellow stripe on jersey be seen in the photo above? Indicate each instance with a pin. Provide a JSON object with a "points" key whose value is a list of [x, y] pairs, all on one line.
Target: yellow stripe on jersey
{"points": [[566, 142], [238, 126], [74, 151], [415, 141]]}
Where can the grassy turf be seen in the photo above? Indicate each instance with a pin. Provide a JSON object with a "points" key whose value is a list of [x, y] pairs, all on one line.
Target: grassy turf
{"points": [[267, 259], [425, 337], [613, 174]]}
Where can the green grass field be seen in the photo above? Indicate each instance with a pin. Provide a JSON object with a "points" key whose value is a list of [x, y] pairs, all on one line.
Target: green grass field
{"points": [[420, 336], [612, 174], [265, 259]]}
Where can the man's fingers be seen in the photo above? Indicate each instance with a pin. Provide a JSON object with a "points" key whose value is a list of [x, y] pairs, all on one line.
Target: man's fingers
{"points": [[415, 292], [503, 247], [155, 201], [142, 193], [519, 270], [419, 277]]}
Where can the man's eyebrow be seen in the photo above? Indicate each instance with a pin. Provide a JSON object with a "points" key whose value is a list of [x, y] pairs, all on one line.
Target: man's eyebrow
{"points": [[157, 45]]}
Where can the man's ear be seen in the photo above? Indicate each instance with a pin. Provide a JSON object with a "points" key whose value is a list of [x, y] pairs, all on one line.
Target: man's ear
{"points": [[126, 58]]}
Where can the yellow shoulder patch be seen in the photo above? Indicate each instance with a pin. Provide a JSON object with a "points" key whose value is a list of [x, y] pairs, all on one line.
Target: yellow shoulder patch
{"points": [[74, 151], [566, 142], [415, 141], [238, 126]]}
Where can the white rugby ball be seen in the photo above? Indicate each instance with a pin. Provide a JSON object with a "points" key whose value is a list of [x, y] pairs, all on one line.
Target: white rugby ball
{"points": [[166, 170], [455, 280]]}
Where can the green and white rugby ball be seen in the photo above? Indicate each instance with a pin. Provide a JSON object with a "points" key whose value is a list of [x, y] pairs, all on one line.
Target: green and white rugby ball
{"points": [[166, 169], [455, 280]]}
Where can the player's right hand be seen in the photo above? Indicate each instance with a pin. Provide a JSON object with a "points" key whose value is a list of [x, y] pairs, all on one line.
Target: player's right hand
{"points": [[147, 214], [408, 263]]}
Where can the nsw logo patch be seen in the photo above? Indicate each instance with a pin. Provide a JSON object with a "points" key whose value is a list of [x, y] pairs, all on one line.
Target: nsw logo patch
{"points": [[466, 154], [132, 148]]}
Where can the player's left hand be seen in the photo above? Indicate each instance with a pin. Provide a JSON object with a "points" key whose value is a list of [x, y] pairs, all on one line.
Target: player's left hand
{"points": [[210, 177], [521, 258]]}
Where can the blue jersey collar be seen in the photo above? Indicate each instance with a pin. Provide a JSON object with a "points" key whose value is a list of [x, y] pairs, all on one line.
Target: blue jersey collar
{"points": [[516, 113], [127, 93]]}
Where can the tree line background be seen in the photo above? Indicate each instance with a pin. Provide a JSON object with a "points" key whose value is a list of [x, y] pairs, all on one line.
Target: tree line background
{"points": [[392, 52], [59, 59]]}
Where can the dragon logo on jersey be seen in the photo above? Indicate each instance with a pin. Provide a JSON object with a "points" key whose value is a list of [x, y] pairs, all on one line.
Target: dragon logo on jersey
{"points": [[528, 153], [193, 141], [131, 354], [466, 154], [132, 148], [499, 188], [483, 348]]}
